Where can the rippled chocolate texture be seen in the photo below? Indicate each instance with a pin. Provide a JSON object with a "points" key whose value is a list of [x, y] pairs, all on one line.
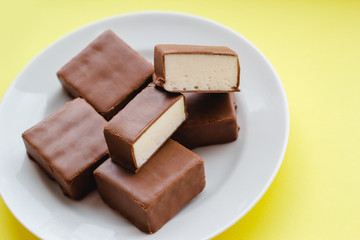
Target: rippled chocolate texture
{"points": [[211, 120], [108, 74], [151, 197], [69, 145]]}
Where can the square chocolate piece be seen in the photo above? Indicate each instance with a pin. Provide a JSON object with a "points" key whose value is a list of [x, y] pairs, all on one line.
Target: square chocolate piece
{"points": [[69, 144], [211, 120], [151, 197], [140, 129], [108, 74]]}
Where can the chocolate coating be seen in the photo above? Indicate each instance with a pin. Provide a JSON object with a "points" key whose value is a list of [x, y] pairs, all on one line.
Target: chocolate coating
{"points": [[151, 197], [69, 145], [108, 74], [211, 120], [132, 121], [159, 76]]}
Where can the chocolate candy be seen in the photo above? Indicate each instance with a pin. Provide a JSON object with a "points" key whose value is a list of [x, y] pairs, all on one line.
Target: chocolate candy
{"points": [[189, 68], [108, 74], [211, 120], [69, 145], [138, 130], [151, 197]]}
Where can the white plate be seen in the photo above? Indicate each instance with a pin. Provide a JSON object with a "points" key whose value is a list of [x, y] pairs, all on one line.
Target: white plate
{"points": [[238, 173]]}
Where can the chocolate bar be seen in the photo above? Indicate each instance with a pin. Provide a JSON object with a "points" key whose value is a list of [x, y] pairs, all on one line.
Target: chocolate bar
{"points": [[151, 197], [69, 145], [190, 68], [138, 130], [211, 120], [108, 74]]}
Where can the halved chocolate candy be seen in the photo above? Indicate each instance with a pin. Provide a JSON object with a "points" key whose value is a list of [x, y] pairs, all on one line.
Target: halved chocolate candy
{"points": [[139, 130], [190, 68]]}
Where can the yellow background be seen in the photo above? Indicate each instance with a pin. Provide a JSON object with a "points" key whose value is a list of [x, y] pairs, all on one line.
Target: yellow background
{"points": [[315, 48]]}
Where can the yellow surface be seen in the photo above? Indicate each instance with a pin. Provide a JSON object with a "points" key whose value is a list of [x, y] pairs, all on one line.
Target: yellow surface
{"points": [[315, 48]]}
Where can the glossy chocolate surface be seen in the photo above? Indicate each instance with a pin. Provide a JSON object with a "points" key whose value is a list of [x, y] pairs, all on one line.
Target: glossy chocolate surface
{"points": [[151, 197], [69, 145], [132, 121], [108, 74], [211, 120]]}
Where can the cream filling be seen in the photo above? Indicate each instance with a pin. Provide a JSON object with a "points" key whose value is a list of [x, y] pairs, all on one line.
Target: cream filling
{"points": [[200, 72], [159, 131]]}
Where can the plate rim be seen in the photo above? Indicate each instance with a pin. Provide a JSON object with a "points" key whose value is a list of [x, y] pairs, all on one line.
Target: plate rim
{"points": [[5, 97]]}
